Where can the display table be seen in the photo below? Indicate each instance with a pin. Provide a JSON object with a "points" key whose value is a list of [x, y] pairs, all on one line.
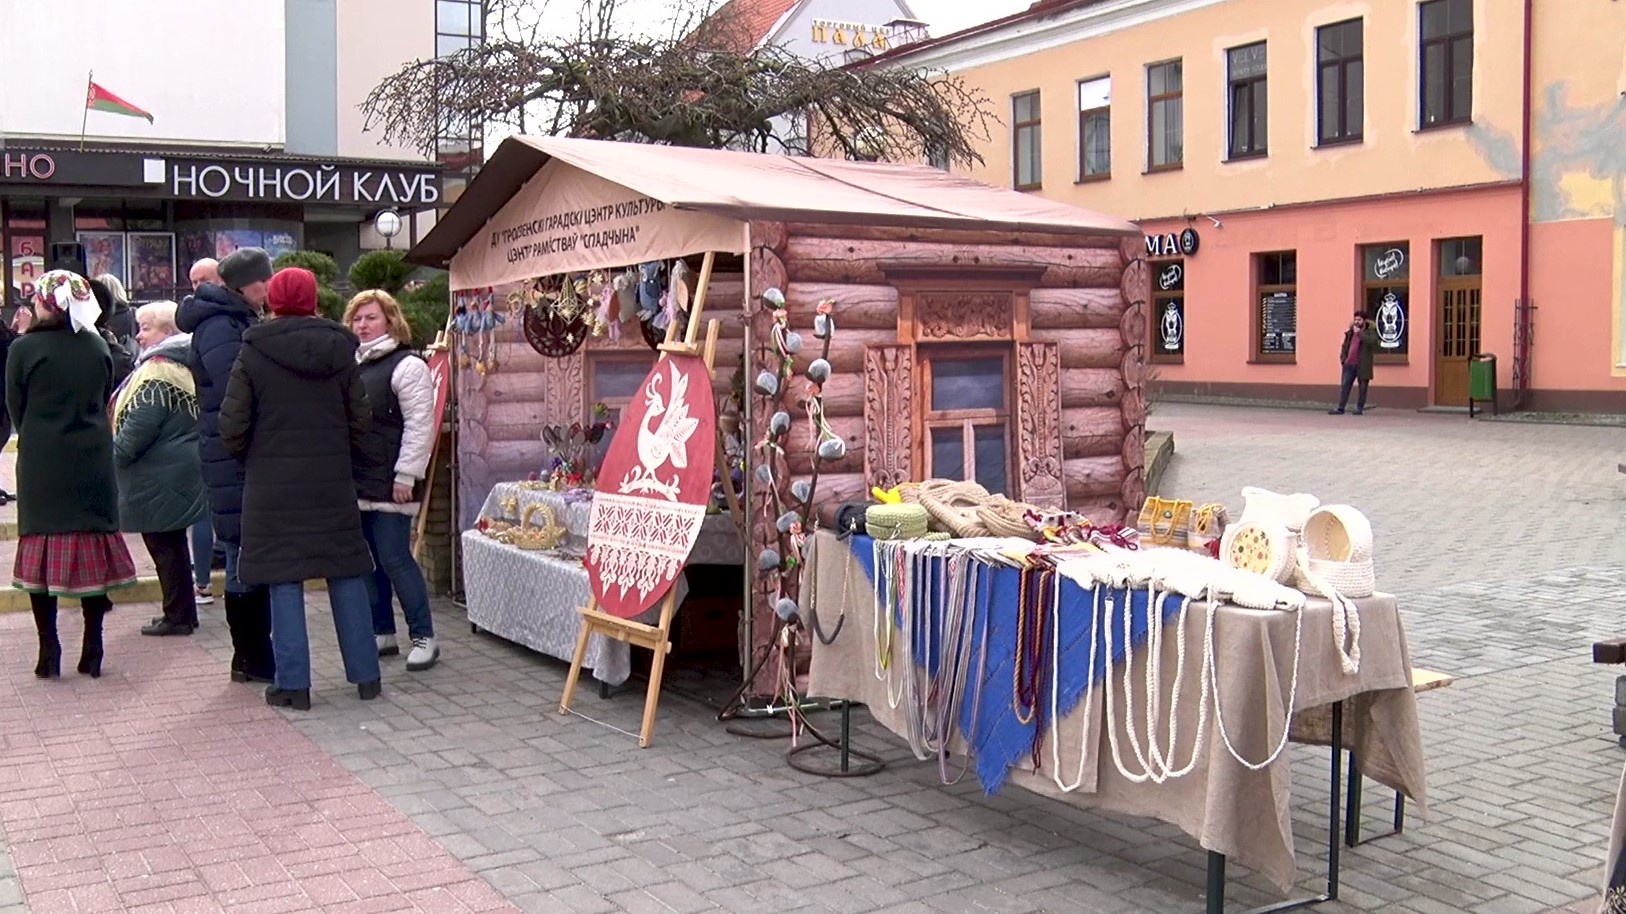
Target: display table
{"points": [[1225, 806], [532, 597], [719, 542]]}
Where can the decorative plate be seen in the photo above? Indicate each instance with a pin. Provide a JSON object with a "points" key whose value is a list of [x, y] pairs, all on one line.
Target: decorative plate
{"points": [[552, 335]]}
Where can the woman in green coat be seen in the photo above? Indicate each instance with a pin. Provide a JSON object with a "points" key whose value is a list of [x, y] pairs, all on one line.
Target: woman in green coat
{"points": [[155, 448], [59, 377]]}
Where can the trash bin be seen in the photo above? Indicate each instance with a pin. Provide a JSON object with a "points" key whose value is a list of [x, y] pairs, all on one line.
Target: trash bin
{"points": [[1482, 381]]}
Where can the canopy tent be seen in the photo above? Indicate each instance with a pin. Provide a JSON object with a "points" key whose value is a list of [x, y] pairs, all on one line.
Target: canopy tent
{"points": [[545, 205]]}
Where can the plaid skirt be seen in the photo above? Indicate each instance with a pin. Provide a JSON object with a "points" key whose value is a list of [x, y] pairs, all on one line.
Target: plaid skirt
{"points": [[72, 565]]}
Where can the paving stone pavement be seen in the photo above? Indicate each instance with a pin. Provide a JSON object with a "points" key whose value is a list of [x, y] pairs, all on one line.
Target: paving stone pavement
{"points": [[1498, 537]]}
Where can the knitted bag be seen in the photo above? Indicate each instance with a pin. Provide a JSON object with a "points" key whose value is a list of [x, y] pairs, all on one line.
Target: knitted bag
{"points": [[1336, 553], [1267, 507], [1164, 522], [1208, 525], [850, 518], [1262, 548]]}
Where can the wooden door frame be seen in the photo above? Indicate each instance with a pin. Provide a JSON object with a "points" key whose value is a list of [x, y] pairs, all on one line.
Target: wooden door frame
{"points": [[1442, 286]]}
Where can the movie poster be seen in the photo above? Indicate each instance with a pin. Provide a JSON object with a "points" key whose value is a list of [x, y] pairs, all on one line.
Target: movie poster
{"points": [[196, 245], [230, 240], [105, 253], [279, 243], [152, 264]]}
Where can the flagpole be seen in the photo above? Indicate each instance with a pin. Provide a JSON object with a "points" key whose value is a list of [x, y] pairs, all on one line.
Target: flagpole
{"points": [[84, 119]]}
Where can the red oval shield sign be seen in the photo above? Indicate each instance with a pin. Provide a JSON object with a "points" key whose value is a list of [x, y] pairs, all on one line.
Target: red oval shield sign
{"points": [[653, 487]]}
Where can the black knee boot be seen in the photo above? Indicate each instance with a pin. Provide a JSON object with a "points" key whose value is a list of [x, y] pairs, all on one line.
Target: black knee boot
{"points": [[248, 618], [49, 665], [90, 655]]}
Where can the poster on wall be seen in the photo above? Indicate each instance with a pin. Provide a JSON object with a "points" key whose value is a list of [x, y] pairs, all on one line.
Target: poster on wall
{"points": [[1169, 310], [27, 265], [233, 239], [279, 243], [152, 263], [1278, 323], [196, 245], [105, 253]]}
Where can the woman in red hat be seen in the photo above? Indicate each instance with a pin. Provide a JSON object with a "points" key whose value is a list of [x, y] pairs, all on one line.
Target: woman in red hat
{"points": [[294, 412]]}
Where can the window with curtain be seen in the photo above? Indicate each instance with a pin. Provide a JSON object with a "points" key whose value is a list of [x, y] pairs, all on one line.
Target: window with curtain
{"points": [[1025, 141], [1165, 113], [1447, 32], [1340, 82], [1095, 128]]}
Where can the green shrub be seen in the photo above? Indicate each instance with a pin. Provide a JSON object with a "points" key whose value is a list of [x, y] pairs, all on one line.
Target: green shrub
{"points": [[426, 308], [386, 270], [327, 272]]}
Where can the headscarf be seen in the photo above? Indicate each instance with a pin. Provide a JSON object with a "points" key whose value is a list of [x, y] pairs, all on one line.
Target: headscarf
{"points": [[67, 293]]}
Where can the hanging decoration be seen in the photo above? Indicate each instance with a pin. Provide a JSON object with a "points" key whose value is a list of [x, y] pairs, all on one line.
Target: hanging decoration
{"points": [[571, 465], [475, 321]]}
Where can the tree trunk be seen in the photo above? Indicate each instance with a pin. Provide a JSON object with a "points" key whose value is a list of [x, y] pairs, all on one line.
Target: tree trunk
{"points": [[1071, 309], [856, 307], [1097, 348], [1095, 431], [1091, 478], [1090, 387]]}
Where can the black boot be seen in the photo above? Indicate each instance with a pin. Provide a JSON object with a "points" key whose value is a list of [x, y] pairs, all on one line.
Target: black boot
{"points": [[90, 654], [237, 613], [298, 699], [259, 660], [49, 665]]}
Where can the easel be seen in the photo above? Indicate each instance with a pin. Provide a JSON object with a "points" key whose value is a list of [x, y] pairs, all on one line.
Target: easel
{"points": [[657, 637]]}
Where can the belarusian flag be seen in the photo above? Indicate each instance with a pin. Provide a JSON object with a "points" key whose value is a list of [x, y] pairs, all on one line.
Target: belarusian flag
{"points": [[100, 99]]}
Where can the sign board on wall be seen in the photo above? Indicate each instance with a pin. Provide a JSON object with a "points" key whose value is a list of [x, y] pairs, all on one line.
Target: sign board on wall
{"points": [[566, 220], [204, 79]]}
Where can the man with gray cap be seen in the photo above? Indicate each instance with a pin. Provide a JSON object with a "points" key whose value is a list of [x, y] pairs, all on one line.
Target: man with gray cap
{"points": [[216, 315]]}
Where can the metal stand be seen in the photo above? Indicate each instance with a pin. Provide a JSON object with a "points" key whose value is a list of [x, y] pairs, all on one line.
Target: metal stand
{"points": [[1216, 860], [871, 764], [1352, 822]]}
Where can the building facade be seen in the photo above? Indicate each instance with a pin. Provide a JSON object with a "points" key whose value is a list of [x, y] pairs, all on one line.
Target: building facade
{"points": [[1296, 163], [206, 138]]}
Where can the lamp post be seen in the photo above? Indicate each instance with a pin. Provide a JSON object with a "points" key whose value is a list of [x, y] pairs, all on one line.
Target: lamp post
{"points": [[388, 224]]}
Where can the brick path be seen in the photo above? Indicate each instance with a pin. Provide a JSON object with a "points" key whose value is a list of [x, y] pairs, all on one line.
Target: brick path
{"points": [[1500, 539]]}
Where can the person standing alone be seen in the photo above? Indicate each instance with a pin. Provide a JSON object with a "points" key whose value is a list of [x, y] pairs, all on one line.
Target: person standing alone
{"points": [[1355, 355]]}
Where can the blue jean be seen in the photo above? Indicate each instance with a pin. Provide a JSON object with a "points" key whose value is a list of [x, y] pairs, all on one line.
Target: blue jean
{"points": [[203, 547], [395, 573], [348, 598], [233, 584]]}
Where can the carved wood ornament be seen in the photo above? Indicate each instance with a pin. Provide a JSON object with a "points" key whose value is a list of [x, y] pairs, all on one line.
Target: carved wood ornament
{"points": [[964, 316], [1038, 385], [889, 415], [563, 389]]}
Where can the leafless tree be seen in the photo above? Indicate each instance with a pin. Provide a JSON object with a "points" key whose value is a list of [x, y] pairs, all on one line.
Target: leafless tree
{"points": [[703, 83]]}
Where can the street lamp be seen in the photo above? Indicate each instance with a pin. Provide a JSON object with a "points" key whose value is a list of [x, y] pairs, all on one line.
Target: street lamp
{"points": [[388, 224]]}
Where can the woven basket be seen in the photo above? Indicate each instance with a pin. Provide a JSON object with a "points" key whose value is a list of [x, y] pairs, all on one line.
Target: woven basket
{"points": [[541, 536], [1262, 548], [1337, 547], [1273, 508], [895, 522]]}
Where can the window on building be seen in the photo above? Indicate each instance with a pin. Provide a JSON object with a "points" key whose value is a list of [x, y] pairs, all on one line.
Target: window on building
{"points": [[1095, 128], [613, 378], [1386, 281], [1245, 68], [1277, 319], [1025, 141], [1168, 322], [1165, 113], [1447, 31], [968, 418], [1340, 82], [459, 143]]}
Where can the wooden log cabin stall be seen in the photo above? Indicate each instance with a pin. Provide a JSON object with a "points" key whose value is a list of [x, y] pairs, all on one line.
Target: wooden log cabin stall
{"points": [[981, 334]]}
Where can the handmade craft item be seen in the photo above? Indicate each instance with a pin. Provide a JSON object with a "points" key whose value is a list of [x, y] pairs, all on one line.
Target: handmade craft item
{"points": [[1164, 521], [1334, 560], [1208, 525], [893, 522], [1267, 507], [653, 487], [1261, 548]]}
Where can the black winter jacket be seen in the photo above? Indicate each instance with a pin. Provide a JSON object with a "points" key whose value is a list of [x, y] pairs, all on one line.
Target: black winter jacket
{"points": [[294, 413], [217, 317]]}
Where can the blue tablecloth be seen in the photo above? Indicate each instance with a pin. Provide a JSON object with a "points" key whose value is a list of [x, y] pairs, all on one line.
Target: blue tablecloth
{"points": [[988, 720]]}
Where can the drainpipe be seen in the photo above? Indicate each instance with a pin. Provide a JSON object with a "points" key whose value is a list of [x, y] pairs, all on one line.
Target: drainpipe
{"points": [[1524, 313]]}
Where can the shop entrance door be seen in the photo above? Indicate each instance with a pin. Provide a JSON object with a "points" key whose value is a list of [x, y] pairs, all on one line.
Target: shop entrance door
{"points": [[1458, 319]]}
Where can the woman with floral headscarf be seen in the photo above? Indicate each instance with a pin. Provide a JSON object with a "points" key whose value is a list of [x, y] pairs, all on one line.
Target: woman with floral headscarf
{"points": [[59, 378]]}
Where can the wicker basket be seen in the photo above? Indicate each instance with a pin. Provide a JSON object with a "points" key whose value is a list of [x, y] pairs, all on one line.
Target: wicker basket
{"points": [[542, 536], [895, 522], [1337, 548]]}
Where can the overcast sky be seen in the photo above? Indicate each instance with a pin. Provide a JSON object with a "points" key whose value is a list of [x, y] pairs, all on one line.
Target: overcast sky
{"points": [[947, 16]]}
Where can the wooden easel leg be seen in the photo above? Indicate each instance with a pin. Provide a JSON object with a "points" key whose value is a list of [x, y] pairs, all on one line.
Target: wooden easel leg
{"points": [[577, 660], [657, 667]]}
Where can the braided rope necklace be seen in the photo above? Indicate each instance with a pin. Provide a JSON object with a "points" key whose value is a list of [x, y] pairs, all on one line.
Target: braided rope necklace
{"points": [[1292, 694], [1029, 647], [1055, 688]]}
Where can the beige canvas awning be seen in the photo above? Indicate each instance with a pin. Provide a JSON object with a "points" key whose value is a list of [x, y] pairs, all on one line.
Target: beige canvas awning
{"points": [[732, 188]]}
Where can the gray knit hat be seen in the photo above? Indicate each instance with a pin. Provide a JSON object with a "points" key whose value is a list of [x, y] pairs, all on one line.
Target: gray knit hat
{"points": [[244, 267]]}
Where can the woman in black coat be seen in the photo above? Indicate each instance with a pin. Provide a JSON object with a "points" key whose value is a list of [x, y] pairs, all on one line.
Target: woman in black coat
{"points": [[59, 377], [294, 412]]}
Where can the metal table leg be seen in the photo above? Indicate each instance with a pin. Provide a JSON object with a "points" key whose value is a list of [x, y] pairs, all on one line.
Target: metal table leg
{"points": [[1352, 825], [1216, 861]]}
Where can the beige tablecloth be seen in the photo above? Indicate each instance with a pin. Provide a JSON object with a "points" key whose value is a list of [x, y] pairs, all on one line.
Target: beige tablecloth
{"points": [[1221, 803]]}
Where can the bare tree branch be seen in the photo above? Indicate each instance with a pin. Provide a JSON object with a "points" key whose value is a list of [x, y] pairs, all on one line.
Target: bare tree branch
{"points": [[699, 87]]}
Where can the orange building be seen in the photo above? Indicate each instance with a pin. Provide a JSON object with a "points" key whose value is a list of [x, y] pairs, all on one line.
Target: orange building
{"points": [[1294, 163]]}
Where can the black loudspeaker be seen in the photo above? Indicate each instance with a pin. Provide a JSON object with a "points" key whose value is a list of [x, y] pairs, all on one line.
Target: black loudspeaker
{"points": [[68, 255]]}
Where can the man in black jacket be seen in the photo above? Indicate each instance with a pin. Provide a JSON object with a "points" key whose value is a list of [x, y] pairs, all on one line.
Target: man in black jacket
{"points": [[217, 316]]}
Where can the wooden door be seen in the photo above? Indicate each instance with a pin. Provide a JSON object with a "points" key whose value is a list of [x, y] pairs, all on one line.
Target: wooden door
{"points": [[1459, 316]]}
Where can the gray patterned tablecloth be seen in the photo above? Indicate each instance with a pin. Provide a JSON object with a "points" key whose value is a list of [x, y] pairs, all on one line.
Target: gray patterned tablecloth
{"points": [[719, 542]]}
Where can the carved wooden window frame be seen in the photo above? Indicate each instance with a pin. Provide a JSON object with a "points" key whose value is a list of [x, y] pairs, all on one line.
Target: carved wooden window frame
{"points": [[968, 420]]}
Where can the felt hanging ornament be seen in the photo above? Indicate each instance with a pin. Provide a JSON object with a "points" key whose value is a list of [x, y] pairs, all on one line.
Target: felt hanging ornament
{"points": [[608, 311], [626, 294], [650, 286]]}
